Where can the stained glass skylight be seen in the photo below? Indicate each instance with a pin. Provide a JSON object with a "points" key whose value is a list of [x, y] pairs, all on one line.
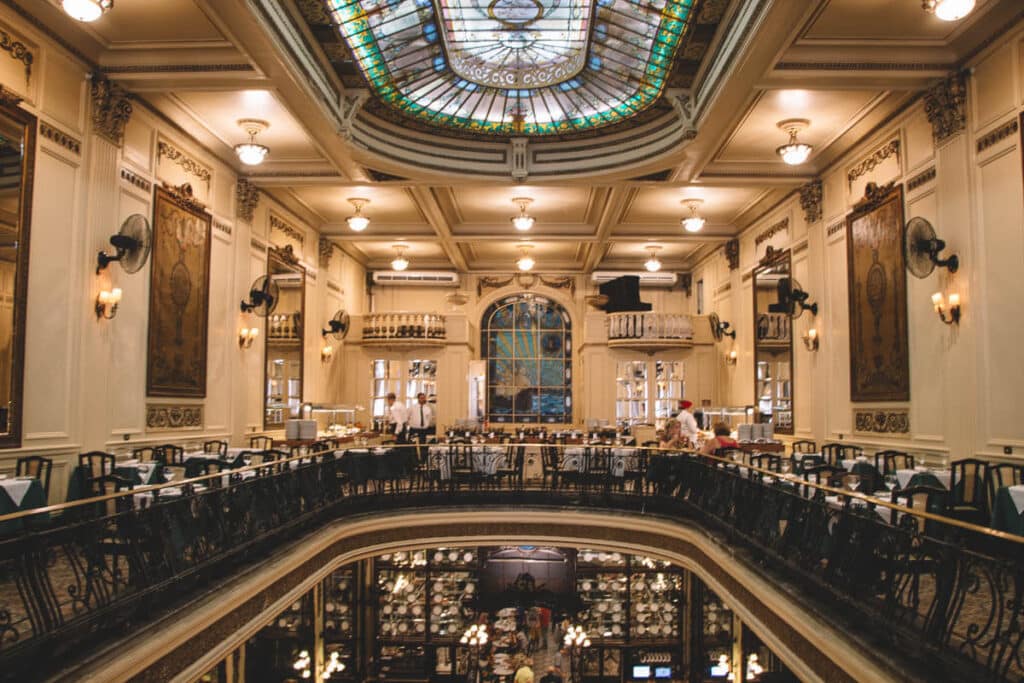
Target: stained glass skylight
{"points": [[515, 67]]}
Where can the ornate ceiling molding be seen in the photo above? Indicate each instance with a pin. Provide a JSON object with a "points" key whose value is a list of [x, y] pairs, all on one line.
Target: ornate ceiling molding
{"points": [[811, 200], [891, 148], [772, 230], [192, 167], [247, 197], [287, 229], [945, 104], [526, 281], [111, 108], [18, 51]]}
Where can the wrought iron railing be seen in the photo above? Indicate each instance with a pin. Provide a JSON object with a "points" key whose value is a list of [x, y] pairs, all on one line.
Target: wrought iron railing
{"points": [[404, 327], [637, 326], [943, 595]]}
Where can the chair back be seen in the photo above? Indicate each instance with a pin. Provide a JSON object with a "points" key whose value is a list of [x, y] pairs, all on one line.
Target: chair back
{"points": [[144, 454], [736, 455], [831, 453], [805, 446], [106, 485], [35, 466], [218, 447], [967, 482], [824, 475], [170, 454], [96, 464], [767, 461], [897, 460], [261, 443], [1001, 475], [850, 452], [923, 498]]}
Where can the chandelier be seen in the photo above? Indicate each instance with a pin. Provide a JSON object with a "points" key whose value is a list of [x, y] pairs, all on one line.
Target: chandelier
{"points": [[523, 221], [250, 153], [358, 222], [400, 262], [693, 222], [653, 265], [86, 10], [794, 152], [948, 10], [525, 262]]}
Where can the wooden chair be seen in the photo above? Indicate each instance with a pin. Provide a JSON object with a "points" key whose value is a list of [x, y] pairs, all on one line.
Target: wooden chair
{"points": [[144, 454], [925, 498], [831, 453], [968, 500], [850, 453], [511, 470], [823, 475], [261, 443], [805, 446], [549, 461], [896, 460], [170, 455], [96, 464], [1000, 475], [766, 461], [217, 446], [35, 466]]}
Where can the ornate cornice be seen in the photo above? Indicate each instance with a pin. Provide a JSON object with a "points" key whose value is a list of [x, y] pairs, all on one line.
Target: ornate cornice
{"points": [[881, 421], [183, 195], [994, 136], [281, 225], [732, 253], [161, 416], [188, 164], [873, 194], [945, 104], [771, 230], [877, 157], [18, 51], [326, 249], [135, 179], [922, 178], [811, 196], [247, 197], [526, 281], [111, 108], [57, 136]]}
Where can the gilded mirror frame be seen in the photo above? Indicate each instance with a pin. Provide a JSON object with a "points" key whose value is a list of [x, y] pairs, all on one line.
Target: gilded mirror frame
{"points": [[281, 261], [773, 260], [10, 437]]}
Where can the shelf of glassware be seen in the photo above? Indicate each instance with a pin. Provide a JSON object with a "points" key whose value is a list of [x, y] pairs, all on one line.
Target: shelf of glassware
{"points": [[774, 392], [339, 591]]}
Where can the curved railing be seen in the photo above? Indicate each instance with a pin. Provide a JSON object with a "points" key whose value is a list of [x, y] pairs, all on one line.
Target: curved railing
{"points": [[945, 595]]}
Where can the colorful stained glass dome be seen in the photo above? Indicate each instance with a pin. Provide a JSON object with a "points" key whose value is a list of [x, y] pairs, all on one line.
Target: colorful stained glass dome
{"points": [[515, 67]]}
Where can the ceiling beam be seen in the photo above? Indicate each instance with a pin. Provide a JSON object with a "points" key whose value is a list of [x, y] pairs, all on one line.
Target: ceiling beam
{"points": [[610, 213], [427, 203]]}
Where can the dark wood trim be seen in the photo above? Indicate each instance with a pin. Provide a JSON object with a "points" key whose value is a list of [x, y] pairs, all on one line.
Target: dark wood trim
{"points": [[11, 438], [771, 259], [286, 259]]}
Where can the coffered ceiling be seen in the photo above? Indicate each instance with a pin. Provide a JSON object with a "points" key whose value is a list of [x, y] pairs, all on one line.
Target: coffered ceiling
{"points": [[743, 66]]}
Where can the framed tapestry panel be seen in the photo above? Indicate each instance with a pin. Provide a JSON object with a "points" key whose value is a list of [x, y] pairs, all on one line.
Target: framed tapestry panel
{"points": [[178, 295], [879, 353]]}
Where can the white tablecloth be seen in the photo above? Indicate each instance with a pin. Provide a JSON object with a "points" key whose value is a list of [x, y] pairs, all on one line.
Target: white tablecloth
{"points": [[850, 462], [1017, 496], [904, 476], [835, 503], [485, 459], [622, 459], [17, 488], [145, 470], [233, 453]]}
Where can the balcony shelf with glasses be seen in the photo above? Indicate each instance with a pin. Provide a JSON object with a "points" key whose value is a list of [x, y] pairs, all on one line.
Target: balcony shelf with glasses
{"points": [[648, 331], [404, 329]]}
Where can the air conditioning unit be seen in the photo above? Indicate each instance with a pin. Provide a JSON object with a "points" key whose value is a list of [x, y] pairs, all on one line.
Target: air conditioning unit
{"points": [[416, 278], [659, 279]]}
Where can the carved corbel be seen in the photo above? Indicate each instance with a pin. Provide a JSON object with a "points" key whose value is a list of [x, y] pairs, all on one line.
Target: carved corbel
{"points": [[247, 197], [111, 108], [811, 196], [945, 104]]}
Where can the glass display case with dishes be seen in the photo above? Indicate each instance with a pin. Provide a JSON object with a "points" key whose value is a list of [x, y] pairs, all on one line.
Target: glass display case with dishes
{"points": [[603, 596], [274, 648], [402, 604], [599, 558], [340, 591], [655, 598], [452, 596], [407, 559], [716, 619], [399, 661], [602, 663], [459, 558]]}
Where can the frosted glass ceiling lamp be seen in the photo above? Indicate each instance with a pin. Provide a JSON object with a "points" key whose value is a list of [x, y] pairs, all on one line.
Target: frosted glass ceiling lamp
{"points": [[653, 265], [949, 10], [693, 222], [794, 152], [250, 153], [358, 222], [525, 262], [400, 262], [86, 10], [523, 221]]}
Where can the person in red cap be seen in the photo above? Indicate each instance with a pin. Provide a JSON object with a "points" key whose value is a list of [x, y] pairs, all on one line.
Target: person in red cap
{"points": [[687, 422]]}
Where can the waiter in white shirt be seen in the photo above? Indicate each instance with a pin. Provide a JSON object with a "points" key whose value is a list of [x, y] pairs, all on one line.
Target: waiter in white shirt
{"points": [[421, 419], [687, 422], [398, 417]]}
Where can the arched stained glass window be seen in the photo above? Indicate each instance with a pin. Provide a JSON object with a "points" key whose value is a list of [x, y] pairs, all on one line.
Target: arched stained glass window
{"points": [[527, 343]]}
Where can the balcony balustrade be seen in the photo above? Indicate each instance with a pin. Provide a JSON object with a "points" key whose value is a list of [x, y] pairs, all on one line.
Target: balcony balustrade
{"points": [[649, 331], [404, 329]]}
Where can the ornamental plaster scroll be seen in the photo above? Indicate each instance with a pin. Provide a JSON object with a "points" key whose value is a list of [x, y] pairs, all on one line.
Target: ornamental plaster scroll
{"points": [[166, 150]]}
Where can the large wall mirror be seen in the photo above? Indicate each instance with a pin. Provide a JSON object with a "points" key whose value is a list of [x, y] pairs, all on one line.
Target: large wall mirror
{"points": [[773, 342], [17, 163], [284, 348]]}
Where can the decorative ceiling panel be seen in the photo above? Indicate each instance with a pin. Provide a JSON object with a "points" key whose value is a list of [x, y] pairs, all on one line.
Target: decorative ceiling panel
{"points": [[515, 67]]}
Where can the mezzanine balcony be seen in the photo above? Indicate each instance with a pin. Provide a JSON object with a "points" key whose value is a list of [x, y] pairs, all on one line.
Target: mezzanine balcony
{"points": [[649, 331], [404, 329]]}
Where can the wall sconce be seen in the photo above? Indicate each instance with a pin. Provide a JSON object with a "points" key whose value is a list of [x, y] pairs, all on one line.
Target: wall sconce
{"points": [[326, 353], [106, 303], [731, 357], [953, 309], [246, 336], [811, 339]]}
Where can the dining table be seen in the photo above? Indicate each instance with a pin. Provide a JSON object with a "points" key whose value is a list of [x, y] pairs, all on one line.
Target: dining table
{"points": [[1008, 510], [923, 476], [18, 494]]}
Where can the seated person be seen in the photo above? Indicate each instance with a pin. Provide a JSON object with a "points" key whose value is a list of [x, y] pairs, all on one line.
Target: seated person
{"points": [[721, 440], [552, 676], [672, 436]]}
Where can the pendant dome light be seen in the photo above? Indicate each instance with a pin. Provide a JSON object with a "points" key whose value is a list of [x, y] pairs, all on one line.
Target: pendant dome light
{"points": [[693, 222], [358, 222], [523, 221], [86, 10], [400, 262], [525, 262], [653, 265], [794, 152], [949, 10], [250, 153]]}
